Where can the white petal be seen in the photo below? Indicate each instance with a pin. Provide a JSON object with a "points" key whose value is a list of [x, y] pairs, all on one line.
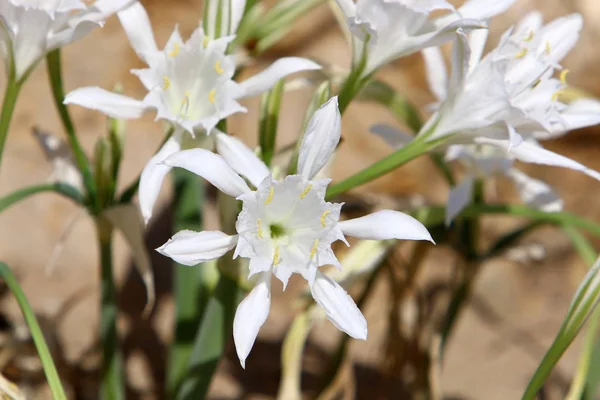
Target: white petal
{"points": [[483, 9], [348, 7], [281, 68], [251, 314], [153, 175], [241, 158], [385, 224], [320, 139], [581, 113], [237, 12], [536, 193], [339, 306], [211, 167], [435, 72], [459, 197], [137, 26], [112, 104], [461, 53], [392, 136], [477, 39], [561, 35], [535, 154], [192, 248]]}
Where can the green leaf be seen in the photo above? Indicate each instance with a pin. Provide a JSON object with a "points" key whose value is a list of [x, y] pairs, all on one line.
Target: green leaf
{"points": [[269, 117], [21, 194], [8, 107], [56, 388]]}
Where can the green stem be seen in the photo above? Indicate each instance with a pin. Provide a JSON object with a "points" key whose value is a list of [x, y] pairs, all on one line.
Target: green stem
{"points": [[8, 106], [36, 333], [58, 93], [411, 151], [21, 194], [112, 367]]}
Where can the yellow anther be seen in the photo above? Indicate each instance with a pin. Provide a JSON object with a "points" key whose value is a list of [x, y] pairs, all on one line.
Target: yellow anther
{"points": [[259, 229], [270, 197], [529, 37], [211, 95], [536, 83], [306, 190], [323, 216], [166, 82], [218, 67], [563, 76], [185, 103], [313, 251], [175, 51], [205, 41], [548, 49], [556, 95], [276, 257], [521, 54]]}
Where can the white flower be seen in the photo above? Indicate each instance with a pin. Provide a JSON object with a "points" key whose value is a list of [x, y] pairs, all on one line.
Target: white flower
{"points": [[389, 29], [30, 29], [285, 226], [190, 84]]}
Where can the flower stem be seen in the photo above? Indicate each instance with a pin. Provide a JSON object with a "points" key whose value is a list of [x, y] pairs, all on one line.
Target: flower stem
{"points": [[55, 74], [8, 106], [112, 368], [21, 194]]}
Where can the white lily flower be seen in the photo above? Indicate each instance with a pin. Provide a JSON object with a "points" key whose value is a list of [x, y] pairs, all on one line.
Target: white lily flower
{"points": [[30, 29], [190, 84], [384, 30], [285, 226]]}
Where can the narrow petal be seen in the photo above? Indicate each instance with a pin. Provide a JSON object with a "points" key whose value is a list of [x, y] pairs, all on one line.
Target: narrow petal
{"points": [[112, 104], [461, 53], [348, 7], [560, 36], [192, 248], [211, 167], [392, 136], [459, 197], [477, 40], [484, 9], [137, 26], [237, 12], [251, 314], [281, 68], [581, 113], [153, 175], [536, 193], [435, 72], [533, 153], [339, 306], [320, 139], [385, 224], [241, 158]]}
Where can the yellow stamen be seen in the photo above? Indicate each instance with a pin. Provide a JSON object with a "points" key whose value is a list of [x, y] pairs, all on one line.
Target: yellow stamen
{"points": [[563, 76], [306, 190], [323, 216], [259, 230], [211, 95], [556, 95], [276, 256], [521, 54], [536, 83], [529, 37], [185, 103], [218, 67], [270, 197], [175, 51], [166, 82], [547, 49], [313, 251], [205, 41]]}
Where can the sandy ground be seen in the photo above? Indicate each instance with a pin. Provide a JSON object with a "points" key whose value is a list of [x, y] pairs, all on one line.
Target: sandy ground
{"points": [[516, 309]]}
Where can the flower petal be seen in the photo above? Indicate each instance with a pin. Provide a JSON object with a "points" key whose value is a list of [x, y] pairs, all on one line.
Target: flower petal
{"points": [[392, 136], [560, 35], [281, 68], [137, 26], [112, 104], [153, 175], [211, 167], [435, 72], [483, 9], [192, 248], [339, 306], [251, 314], [348, 7], [459, 197], [241, 158], [477, 40], [320, 139], [536, 193], [461, 54], [385, 224]]}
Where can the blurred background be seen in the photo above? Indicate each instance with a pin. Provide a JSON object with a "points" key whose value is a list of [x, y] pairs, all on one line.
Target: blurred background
{"points": [[519, 300]]}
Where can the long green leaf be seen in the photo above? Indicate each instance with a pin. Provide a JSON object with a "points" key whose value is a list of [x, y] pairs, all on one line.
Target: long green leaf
{"points": [[56, 388], [269, 118], [21, 194], [8, 107]]}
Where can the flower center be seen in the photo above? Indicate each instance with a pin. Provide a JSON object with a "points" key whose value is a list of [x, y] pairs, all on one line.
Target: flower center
{"points": [[277, 231]]}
